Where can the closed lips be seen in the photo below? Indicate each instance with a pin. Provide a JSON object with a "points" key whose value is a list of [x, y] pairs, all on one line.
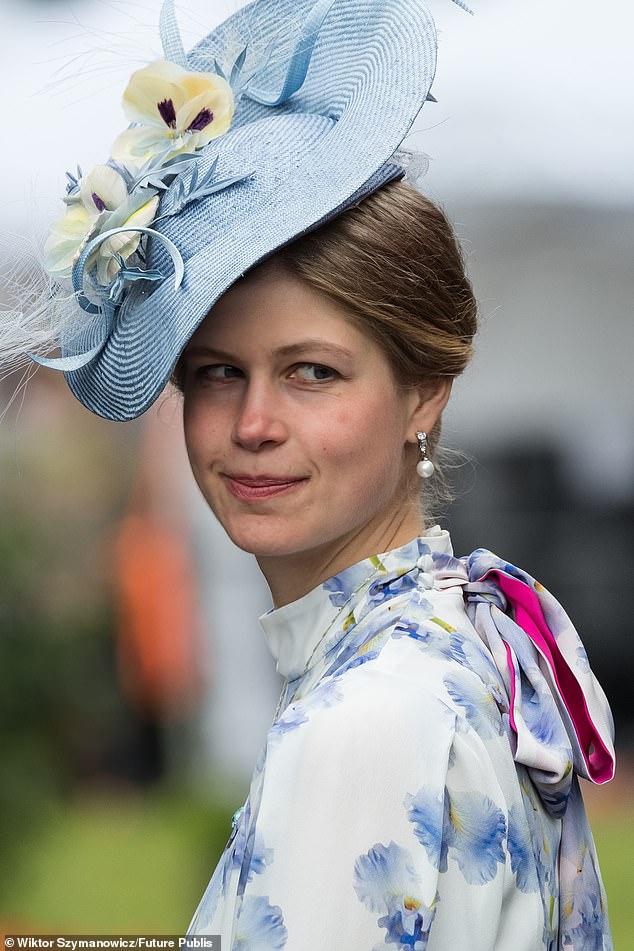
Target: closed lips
{"points": [[249, 489], [265, 480]]}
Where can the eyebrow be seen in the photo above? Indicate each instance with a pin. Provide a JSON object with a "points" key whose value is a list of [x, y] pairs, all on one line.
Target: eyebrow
{"points": [[289, 350]]}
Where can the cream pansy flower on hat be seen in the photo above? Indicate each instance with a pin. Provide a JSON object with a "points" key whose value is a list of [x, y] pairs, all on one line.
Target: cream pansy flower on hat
{"points": [[96, 202], [178, 110], [174, 111], [100, 247]]}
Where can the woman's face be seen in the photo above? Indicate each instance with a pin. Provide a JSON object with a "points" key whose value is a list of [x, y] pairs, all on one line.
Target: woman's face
{"points": [[281, 388]]}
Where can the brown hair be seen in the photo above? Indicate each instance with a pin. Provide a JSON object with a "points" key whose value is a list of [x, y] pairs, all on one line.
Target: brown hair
{"points": [[393, 264]]}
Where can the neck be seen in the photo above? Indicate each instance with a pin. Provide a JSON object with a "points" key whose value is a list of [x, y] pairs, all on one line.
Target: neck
{"points": [[291, 576]]}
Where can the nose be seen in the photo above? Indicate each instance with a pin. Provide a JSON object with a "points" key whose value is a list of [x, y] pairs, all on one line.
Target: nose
{"points": [[259, 417]]}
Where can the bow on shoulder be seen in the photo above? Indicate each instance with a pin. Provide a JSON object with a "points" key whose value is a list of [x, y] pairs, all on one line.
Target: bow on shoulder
{"points": [[560, 720]]}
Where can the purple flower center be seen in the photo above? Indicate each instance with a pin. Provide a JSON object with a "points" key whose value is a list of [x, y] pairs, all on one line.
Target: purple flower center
{"points": [[167, 112], [100, 204], [202, 120]]}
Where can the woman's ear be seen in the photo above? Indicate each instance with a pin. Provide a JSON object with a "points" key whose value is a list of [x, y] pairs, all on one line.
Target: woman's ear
{"points": [[428, 402]]}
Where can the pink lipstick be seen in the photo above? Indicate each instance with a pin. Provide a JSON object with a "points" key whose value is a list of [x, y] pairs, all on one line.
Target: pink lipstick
{"points": [[252, 490]]}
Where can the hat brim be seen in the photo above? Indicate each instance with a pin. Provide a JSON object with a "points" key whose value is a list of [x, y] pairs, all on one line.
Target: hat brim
{"points": [[323, 150]]}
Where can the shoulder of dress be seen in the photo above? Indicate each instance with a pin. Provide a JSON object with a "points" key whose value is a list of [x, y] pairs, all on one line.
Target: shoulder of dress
{"points": [[376, 697]]}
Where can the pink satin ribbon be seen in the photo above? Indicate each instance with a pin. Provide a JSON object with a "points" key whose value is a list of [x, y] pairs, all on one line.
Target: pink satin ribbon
{"points": [[530, 617]]}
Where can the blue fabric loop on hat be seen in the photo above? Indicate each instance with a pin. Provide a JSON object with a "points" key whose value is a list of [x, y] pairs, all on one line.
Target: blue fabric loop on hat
{"points": [[71, 363], [177, 258], [300, 60], [82, 346], [170, 35], [78, 360]]}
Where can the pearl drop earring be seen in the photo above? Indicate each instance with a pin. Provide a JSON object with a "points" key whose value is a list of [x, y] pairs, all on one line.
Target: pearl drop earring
{"points": [[425, 467]]}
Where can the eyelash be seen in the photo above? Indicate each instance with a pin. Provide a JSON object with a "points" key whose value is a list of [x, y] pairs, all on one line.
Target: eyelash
{"points": [[201, 372], [320, 366]]}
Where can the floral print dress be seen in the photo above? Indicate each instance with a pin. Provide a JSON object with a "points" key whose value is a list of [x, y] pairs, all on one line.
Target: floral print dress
{"points": [[420, 787]]}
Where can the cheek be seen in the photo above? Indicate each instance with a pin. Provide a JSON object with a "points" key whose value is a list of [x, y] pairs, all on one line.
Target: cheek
{"points": [[365, 439], [200, 432], [191, 430]]}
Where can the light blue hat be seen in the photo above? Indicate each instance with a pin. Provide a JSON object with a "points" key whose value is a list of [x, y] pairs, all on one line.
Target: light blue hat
{"points": [[323, 95]]}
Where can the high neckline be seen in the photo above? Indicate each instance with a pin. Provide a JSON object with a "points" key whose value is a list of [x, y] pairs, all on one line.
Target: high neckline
{"points": [[293, 631]]}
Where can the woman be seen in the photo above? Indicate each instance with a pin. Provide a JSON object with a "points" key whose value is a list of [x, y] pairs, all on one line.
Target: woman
{"points": [[251, 237], [400, 796]]}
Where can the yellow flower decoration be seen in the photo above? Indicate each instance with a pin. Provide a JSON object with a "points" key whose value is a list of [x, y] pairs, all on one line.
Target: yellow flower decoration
{"points": [[126, 243], [179, 111], [102, 201], [102, 190]]}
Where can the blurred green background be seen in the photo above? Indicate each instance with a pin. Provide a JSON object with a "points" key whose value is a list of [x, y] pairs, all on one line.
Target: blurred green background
{"points": [[126, 863]]}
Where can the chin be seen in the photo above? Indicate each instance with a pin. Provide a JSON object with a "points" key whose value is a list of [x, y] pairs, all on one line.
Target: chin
{"points": [[262, 538], [284, 538]]}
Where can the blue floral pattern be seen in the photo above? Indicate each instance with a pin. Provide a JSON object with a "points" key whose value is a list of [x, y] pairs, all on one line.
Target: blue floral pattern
{"points": [[468, 823], [419, 788], [261, 926], [482, 702], [520, 851], [386, 881]]}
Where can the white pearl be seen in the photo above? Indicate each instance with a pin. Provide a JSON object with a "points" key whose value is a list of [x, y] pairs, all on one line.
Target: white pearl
{"points": [[425, 468]]}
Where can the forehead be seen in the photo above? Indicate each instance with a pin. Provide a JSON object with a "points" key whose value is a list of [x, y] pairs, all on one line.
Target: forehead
{"points": [[274, 311]]}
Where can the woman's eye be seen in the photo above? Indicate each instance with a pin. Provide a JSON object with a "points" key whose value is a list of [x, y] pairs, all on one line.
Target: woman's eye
{"points": [[215, 371], [316, 372]]}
